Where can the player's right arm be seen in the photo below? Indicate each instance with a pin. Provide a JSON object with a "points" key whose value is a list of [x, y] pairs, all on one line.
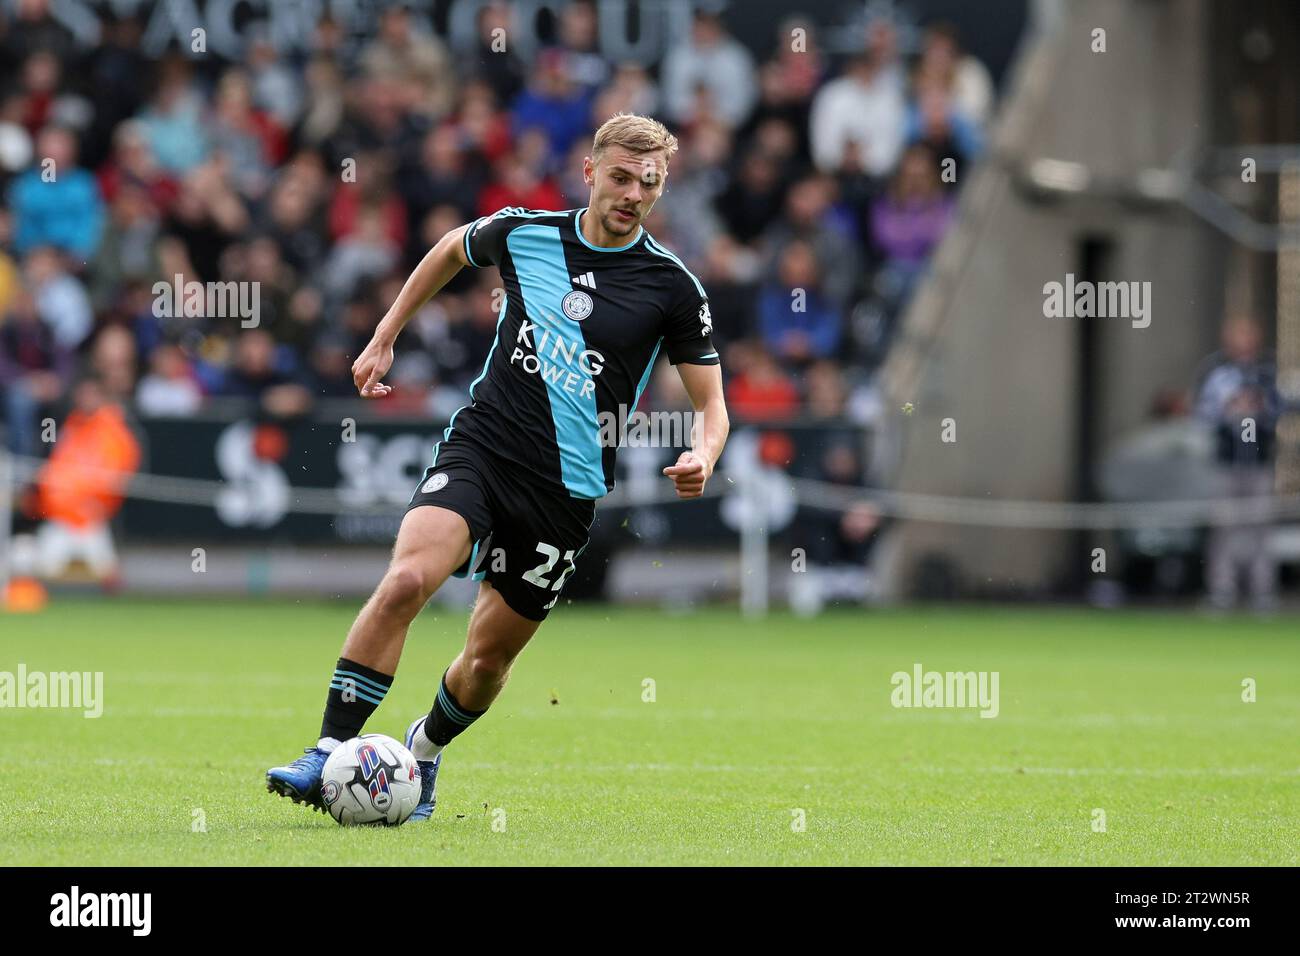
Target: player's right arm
{"points": [[435, 270]]}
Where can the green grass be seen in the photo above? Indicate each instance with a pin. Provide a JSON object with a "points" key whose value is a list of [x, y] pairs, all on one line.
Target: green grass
{"points": [[1138, 714]]}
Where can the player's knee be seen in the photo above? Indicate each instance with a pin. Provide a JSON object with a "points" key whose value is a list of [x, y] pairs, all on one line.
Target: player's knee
{"points": [[405, 589]]}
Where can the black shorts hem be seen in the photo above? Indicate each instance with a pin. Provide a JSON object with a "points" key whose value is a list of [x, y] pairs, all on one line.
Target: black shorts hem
{"points": [[517, 602]]}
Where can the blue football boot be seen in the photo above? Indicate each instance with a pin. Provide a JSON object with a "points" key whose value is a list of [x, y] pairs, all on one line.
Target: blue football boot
{"points": [[428, 778], [300, 780]]}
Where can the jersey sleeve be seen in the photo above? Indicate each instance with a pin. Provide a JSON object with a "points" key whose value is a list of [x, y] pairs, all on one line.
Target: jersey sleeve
{"points": [[485, 239], [689, 334]]}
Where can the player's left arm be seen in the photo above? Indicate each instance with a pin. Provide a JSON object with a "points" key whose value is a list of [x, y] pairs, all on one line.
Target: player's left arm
{"points": [[709, 432]]}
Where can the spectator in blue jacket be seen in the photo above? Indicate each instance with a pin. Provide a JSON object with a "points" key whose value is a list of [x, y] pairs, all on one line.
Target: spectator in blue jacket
{"points": [[55, 203], [554, 104], [797, 320]]}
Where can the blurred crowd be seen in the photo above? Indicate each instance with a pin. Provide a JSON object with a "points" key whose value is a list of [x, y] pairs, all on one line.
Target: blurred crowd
{"points": [[809, 194]]}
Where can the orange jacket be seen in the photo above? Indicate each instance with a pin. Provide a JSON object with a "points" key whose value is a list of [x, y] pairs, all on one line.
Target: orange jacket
{"points": [[94, 454]]}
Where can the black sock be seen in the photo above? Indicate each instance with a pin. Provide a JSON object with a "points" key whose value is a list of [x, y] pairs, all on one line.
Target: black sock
{"points": [[355, 691], [448, 717]]}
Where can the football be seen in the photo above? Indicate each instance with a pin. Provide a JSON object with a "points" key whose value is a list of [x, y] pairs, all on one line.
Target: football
{"points": [[371, 780]]}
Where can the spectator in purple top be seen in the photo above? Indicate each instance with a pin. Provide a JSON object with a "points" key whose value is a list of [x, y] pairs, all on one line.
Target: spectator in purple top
{"points": [[908, 221]]}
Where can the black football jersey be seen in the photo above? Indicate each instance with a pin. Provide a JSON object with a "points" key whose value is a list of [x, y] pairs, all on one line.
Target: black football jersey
{"points": [[578, 334]]}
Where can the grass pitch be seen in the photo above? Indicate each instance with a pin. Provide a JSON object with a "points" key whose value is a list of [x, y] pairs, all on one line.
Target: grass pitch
{"points": [[1139, 715]]}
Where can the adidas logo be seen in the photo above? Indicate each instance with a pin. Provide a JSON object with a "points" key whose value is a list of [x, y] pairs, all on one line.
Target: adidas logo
{"points": [[587, 279]]}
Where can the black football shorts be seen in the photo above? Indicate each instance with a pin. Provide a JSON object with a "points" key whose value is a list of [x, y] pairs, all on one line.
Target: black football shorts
{"points": [[527, 535]]}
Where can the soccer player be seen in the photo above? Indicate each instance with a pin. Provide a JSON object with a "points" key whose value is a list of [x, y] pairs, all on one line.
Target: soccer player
{"points": [[590, 300]]}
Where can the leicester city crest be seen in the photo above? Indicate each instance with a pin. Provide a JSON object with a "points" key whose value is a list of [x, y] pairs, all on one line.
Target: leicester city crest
{"points": [[577, 305]]}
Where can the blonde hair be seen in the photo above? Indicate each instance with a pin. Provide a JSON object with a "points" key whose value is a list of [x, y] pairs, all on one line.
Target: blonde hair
{"points": [[640, 134]]}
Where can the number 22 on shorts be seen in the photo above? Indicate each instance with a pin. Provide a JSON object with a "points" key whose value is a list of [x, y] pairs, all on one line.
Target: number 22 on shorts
{"points": [[536, 575]]}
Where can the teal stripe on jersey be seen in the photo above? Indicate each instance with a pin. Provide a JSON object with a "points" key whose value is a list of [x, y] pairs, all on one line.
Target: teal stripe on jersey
{"points": [[661, 251], [645, 376], [537, 253]]}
